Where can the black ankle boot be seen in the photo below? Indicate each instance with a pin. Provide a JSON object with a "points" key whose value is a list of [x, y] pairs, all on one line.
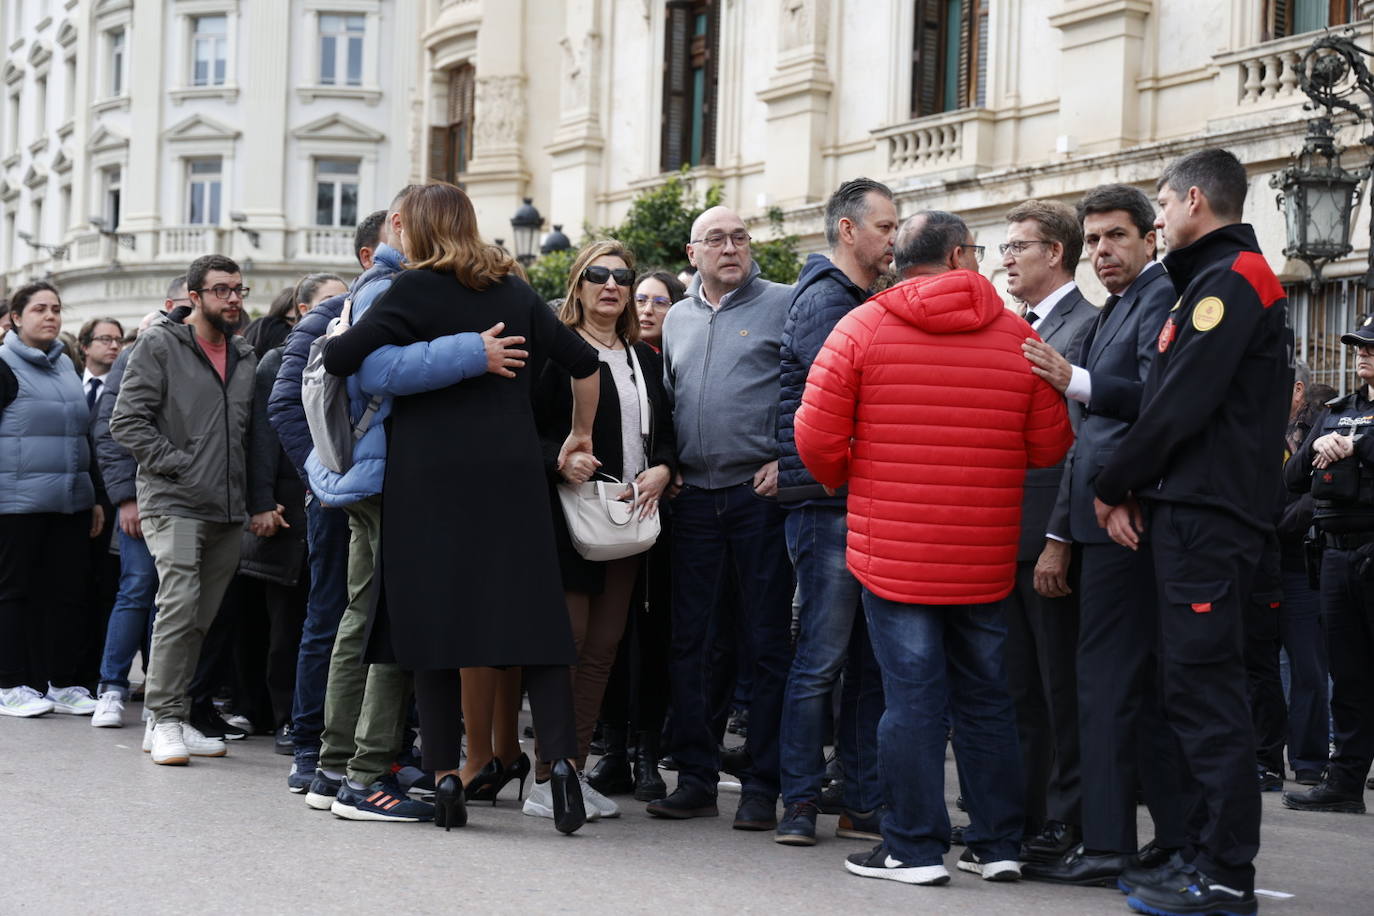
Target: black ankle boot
{"points": [[649, 785], [611, 775]]}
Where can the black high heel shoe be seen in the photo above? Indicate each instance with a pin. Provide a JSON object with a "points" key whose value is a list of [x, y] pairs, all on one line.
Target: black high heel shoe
{"points": [[487, 783], [450, 810], [568, 811]]}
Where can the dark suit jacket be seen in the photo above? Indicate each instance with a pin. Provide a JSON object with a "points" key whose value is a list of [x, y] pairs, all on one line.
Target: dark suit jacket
{"points": [[1118, 355], [1064, 330]]}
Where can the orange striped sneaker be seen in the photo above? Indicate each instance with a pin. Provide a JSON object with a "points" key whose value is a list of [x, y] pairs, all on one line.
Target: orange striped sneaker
{"points": [[379, 802]]}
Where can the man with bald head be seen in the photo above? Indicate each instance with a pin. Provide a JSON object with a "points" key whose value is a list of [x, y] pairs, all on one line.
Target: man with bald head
{"points": [[721, 357], [931, 242]]}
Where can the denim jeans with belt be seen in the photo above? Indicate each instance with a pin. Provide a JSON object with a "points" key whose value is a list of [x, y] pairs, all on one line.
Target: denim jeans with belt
{"points": [[131, 619], [327, 536], [938, 658], [720, 535], [832, 637]]}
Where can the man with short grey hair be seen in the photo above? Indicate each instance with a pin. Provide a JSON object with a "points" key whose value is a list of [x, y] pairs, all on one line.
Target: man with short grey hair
{"points": [[860, 225]]}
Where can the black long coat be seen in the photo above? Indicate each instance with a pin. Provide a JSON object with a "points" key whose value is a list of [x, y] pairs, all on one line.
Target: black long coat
{"points": [[469, 574], [553, 417]]}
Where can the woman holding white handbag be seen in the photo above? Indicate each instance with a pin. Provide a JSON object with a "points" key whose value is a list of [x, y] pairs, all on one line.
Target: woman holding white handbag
{"points": [[608, 514]]}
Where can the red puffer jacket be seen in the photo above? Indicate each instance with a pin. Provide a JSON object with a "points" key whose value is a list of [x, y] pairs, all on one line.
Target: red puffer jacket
{"points": [[923, 403]]}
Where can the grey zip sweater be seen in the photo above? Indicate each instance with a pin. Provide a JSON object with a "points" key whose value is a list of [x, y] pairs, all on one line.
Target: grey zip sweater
{"points": [[721, 370]]}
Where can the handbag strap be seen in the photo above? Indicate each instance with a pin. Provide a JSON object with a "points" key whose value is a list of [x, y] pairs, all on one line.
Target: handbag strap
{"points": [[606, 502], [642, 389]]}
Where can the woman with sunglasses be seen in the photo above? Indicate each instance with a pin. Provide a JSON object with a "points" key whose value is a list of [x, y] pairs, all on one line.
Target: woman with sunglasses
{"points": [[467, 575], [598, 306]]}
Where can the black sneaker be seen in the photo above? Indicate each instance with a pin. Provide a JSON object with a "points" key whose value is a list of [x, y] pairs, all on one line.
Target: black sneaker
{"points": [[1269, 781], [798, 825], [211, 724], [282, 742], [1153, 865], [1000, 870], [302, 773], [322, 791], [684, 802], [1326, 796], [832, 798], [379, 802], [1188, 891], [756, 812], [879, 863]]}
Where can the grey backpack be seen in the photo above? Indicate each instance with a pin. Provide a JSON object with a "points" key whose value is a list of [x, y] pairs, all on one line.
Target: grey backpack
{"points": [[325, 398]]}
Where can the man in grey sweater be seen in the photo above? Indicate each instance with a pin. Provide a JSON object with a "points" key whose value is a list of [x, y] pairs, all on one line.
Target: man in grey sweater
{"points": [[721, 349]]}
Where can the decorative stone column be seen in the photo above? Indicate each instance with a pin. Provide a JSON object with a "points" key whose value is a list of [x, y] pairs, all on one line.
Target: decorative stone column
{"points": [[497, 176], [798, 99], [139, 202], [264, 76], [1105, 38], [577, 143]]}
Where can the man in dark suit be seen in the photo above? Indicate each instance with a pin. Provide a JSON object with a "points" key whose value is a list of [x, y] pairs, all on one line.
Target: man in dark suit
{"points": [[1123, 739], [1044, 242]]}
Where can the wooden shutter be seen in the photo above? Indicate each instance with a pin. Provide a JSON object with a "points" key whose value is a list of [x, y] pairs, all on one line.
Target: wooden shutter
{"points": [[927, 88], [677, 84], [711, 67], [439, 153]]}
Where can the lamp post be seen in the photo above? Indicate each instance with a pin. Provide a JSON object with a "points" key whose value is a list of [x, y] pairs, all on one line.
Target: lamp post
{"points": [[1317, 195], [524, 227], [58, 252], [555, 241]]}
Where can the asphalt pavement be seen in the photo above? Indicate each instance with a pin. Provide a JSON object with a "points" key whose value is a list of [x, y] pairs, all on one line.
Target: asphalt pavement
{"points": [[92, 826]]}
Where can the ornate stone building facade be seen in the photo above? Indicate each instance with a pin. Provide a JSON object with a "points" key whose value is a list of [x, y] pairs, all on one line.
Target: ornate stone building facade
{"points": [[966, 105], [139, 134]]}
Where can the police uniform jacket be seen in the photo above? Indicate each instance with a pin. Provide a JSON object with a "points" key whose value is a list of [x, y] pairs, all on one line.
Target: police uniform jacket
{"points": [[1216, 401], [1333, 511]]}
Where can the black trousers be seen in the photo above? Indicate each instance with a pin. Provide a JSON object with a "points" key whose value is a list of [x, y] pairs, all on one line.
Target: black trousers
{"points": [[1205, 561], [637, 692], [1042, 645], [102, 583], [1124, 742], [1263, 608], [1348, 618], [43, 612], [438, 697]]}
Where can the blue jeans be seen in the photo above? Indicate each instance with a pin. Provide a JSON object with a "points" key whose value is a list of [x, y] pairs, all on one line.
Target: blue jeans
{"points": [[327, 536], [131, 618], [936, 659], [718, 536], [831, 629]]}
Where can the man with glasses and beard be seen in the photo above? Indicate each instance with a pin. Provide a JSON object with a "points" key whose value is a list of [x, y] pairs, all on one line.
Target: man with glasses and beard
{"points": [[183, 412]]}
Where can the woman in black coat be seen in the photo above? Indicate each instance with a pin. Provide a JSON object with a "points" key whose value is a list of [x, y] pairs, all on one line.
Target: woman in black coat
{"points": [[468, 570], [598, 307]]}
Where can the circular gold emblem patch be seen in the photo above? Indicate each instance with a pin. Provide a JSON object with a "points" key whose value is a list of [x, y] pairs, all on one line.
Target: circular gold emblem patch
{"points": [[1208, 313]]}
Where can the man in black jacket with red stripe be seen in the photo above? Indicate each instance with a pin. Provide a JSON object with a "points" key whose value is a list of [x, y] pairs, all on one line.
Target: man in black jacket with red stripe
{"points": [[1203, 459]]}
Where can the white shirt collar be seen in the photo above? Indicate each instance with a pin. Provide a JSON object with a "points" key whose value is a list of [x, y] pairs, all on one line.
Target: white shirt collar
{"points": [[87, 375], [1045, 307]]}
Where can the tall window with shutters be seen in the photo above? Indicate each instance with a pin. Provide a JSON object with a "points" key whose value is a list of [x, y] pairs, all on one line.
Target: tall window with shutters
{"points": [[450, 145], [949, 56], [690, 72], [1283, 18]]}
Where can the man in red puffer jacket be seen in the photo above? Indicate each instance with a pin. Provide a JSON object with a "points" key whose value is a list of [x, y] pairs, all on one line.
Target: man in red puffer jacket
{"points": [[922, 403]]}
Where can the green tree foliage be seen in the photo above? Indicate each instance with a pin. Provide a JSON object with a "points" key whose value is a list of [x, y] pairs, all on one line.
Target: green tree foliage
{"points": [[657, 228]]}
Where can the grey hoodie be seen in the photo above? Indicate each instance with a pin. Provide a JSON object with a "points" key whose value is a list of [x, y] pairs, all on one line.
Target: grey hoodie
{"points": [[721, 369]]}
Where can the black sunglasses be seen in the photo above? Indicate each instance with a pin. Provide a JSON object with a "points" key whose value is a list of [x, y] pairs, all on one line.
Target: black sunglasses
{"points": [[596, 274]]}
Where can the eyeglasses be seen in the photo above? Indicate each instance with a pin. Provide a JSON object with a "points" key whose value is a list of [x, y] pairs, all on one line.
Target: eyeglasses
{"points": [[660, 302], [739, 239], [1020, 247], [596, 274], [222, 292], [977, 251], [107, 339]]}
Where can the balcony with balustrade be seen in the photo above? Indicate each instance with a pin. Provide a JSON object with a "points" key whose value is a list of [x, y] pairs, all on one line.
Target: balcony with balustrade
{"points": [[951, 144]]}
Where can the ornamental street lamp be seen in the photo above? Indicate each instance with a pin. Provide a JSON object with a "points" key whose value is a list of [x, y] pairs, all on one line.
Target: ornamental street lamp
{"points": [[1317, 194], [525, 226], [555, 241]]}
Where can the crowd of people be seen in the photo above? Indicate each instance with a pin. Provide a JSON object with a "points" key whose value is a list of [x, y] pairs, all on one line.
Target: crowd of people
{"points": [[1108, 553]]}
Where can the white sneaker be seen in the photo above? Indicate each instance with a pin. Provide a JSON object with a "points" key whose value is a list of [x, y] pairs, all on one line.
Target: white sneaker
{"points": [[200, 745], [109, 710], [163, 740], [23, 702], [593, 800], [539, 803], [71, 701]]}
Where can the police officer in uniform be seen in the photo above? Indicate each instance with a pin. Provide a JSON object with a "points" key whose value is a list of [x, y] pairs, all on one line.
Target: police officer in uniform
{"points": [[1203, 459], [1336, 463]]}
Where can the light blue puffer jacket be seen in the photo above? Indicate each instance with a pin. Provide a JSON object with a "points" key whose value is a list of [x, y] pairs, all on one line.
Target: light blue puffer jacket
{"points": [[45, 451], [390, 371]]}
